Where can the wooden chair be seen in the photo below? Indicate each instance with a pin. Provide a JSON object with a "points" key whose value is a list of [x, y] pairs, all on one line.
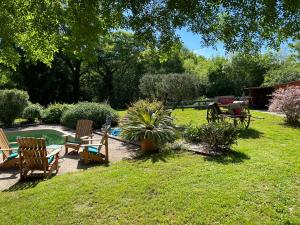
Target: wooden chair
{"points": [[84, 129], [9, 154], [92, 151], [34, 156]]}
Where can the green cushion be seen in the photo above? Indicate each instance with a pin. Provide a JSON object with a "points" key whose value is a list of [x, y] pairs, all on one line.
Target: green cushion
{"points": [[12, 155], [50, 159], [93, 150]]}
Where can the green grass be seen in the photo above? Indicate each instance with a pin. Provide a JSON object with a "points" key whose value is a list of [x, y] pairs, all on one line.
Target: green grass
{"points": [[259, 183]]}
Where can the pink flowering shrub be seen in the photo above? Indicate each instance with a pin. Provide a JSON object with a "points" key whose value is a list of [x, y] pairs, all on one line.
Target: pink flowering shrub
{"points": [[287, 101]]}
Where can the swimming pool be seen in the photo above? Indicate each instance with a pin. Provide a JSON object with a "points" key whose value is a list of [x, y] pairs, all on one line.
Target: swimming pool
{"points": [[52, 137]]}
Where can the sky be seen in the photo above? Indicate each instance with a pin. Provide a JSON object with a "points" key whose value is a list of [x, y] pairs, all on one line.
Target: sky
{"points": [[193, 43]]}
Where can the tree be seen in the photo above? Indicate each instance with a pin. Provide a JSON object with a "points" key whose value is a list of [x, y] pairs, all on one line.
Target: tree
{"points": [[174, 86], [286, 72], [40, 28]]}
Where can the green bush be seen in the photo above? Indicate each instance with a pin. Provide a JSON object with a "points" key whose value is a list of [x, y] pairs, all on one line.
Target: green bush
{"points": [[217, 136], [148, 120], [32, 112], [12, 104], [89, 110], [53, 113]]}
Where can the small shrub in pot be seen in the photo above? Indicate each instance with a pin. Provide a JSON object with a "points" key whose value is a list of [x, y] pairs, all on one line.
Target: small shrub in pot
{"points": [[149, 124]]}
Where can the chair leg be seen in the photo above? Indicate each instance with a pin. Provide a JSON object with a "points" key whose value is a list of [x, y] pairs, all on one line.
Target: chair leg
{"points": [[66, 149]]}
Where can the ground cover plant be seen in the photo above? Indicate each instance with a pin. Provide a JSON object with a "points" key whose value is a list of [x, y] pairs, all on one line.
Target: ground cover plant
{"points": [[258, 183], [215, 136]]}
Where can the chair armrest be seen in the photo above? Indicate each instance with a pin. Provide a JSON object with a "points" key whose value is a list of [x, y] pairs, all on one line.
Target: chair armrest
{"points": [[55, 152], [8, 149], [84, 138], [13, 143], [93, 139], [91, 145]]}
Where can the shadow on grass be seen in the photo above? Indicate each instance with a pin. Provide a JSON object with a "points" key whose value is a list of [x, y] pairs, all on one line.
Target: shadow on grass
{"points": [[30, 182], [295, 126], [154, 158], [228, 158], [250, 134], [84, 166]]}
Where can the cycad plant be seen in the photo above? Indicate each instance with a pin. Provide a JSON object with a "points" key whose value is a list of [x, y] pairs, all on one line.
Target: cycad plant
{"points": [[148, 124]]}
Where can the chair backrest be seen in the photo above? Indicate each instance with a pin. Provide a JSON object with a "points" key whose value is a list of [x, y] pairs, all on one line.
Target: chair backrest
{"points": [[4, 144], [83, 128], [33, 153]]}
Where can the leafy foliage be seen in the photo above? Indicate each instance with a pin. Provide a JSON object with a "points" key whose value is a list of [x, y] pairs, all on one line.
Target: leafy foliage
{"points": [[32, 112], [89, 110], [170, 86], [218, 136], [146, 120], [230, 77], [287, 101], [288, 71], [53, 113], [12, 104], [76, 26]]}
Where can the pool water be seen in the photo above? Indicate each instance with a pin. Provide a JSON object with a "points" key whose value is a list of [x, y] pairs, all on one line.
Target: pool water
{"points": [[52, 137]]}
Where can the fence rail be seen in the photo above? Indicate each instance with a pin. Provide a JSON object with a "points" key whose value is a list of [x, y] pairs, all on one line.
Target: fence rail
{"points": [[194, 104]]}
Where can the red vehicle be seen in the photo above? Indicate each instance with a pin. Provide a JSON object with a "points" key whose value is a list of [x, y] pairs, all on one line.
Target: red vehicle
{"points": [[227, 107]]}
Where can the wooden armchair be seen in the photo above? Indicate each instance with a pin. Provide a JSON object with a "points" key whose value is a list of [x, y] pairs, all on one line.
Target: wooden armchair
{"points": [[84, 130], [34, 156], [92, 151], [9, 154]]}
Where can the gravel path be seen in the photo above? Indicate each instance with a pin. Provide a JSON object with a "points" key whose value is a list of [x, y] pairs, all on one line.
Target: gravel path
{"points": [[70, 162]]}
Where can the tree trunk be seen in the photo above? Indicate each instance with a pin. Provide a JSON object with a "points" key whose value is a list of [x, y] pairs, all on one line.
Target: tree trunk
{"points": [[108, 83], [76, 80]]}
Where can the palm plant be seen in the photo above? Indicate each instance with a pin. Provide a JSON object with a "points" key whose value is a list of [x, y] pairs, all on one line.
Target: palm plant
{"points": [[148, 125]]}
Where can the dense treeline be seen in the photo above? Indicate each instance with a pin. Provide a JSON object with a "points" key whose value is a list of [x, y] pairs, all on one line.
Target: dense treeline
{"points": [[114, 71]]}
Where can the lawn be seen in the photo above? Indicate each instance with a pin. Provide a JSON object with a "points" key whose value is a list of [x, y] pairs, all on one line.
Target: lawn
{"points": [[259, 183]]}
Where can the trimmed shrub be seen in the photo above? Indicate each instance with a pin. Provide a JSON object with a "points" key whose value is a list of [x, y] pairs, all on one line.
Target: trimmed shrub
{"points": [[53, 113], [32, 112], [89, 110], [287, 101], [12, 104], [218, 136]]}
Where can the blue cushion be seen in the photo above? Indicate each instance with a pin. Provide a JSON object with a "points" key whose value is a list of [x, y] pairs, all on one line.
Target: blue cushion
{"points": [[12, 155], [93, 150], [116, 132], [50, 159]]}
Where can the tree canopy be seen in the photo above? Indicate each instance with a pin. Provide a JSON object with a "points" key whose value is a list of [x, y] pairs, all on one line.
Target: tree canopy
{"points": [[42, 28]]}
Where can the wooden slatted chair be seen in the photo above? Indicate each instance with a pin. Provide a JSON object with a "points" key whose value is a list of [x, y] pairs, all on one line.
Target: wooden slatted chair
{"points": [[9, 154], [91, 152], [84, 129], [34, 156]]}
